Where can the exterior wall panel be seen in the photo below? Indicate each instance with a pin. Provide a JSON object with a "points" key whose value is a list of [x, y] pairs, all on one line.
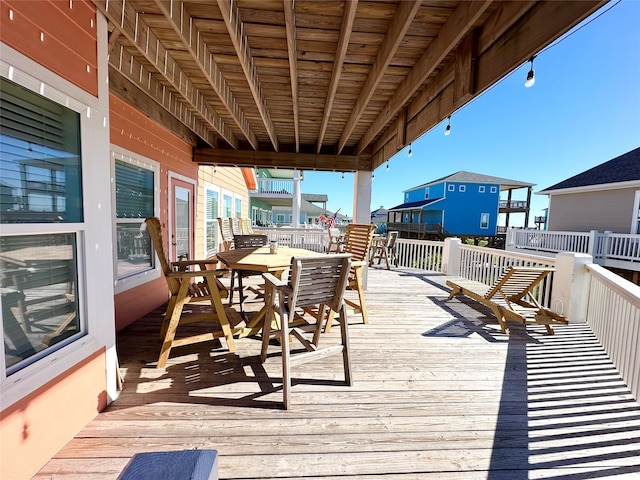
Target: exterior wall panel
{"points": [[582, 212]]}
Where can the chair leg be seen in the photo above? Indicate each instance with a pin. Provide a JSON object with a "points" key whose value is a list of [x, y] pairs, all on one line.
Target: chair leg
{"points": [[170, 332], [233, 275], [240, 293], [363, 306], [286, 364], [218, 307], [346, 349], [266, 328]]}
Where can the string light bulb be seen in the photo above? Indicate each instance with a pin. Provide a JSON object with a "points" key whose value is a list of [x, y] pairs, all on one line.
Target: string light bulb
{"points": [[531, 76], [387, 165], [410, 153], [447, 131]]}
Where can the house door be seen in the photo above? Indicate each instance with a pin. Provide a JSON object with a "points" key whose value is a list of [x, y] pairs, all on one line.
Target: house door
{"points": [[181, 217]]}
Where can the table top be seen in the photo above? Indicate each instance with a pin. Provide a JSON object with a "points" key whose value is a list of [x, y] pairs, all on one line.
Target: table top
{"points": [[260, 260]]}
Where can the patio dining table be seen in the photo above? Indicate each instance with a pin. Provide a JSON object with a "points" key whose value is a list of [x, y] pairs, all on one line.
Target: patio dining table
{"points": [[261, 260]]}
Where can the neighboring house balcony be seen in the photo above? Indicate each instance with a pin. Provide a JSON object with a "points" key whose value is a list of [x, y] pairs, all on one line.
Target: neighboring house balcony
{"points": [[275, 191], [612, 250], [513, 206], [417, 228]]}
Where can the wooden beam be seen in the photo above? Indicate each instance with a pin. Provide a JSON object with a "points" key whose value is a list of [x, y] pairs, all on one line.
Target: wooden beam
{"points": [[456, 27], [300, 161], [290, 23], [235, 27], [121, 86], [348, 17], [400, 23], [123, 64], [179, 19], [464, 61], [134, 28]]}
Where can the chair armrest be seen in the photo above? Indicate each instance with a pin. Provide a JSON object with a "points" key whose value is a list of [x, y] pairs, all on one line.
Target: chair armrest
{"points": [[199, 273], [183, 264], [273, 281], [358, 264]]}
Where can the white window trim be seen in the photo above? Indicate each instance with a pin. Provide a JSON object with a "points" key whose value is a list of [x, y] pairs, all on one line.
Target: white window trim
{"points": [[95, 298], [170, 200], [488, 220], [237, 197], [493, 189], [426, 193], [213, 188], [462, 188], [451, 188], [224, 192], [634, 213], [481, 189], [124, 155]]}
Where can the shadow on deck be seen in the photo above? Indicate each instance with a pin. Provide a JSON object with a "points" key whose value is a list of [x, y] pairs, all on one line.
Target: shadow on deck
{"points": [[439, 392]]}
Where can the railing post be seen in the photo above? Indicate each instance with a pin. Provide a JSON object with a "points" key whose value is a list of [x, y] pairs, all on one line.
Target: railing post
{"points": [[592, 246], [570, 294], [451, 256]]}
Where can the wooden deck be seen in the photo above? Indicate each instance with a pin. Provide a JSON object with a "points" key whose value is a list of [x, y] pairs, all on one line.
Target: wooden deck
{"points": [[439, 393]]}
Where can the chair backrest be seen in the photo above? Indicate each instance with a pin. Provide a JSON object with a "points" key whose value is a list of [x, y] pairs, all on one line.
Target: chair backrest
{"points": [[516, 282], [318, 280], [334, 233], [155, 233], [226, 233], [391, 239], [250, 241], [358, 240], [245, 226], [235, 226]]}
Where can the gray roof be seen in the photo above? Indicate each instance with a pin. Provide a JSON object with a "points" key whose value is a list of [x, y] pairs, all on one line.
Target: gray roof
{"points": [[625, 168], [470, 177]]}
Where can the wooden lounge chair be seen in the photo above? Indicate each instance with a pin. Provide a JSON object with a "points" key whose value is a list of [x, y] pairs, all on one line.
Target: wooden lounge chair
{"points": [[336, 240], [184, 289], [511, 297], [318, 281], [226, 233]]}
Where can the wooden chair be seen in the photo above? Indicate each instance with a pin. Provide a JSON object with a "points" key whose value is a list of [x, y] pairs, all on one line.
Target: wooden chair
{"points": [[336, 240], [357, 242], [511, 297], [236, 229], [385, 249], [226, 233], [318, 281], [245, 241], [184, 289]]}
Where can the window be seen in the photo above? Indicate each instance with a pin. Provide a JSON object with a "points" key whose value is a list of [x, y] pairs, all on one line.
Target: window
{"points": [[481, 189], [484, 220], [462, 188], [406, 197], [280, 218], [135, 185], [211, 220], [238, 206], [226, 206], [451, 188], [41, 172], [426, 193], [493, 189]]}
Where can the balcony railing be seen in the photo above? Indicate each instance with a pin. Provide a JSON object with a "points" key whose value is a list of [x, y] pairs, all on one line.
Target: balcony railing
{"points": [[513, 204], [431, 228], [272, 187]]}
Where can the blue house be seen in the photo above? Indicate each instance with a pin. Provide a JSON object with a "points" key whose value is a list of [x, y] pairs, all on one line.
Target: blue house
{"points": [[463, 204]]}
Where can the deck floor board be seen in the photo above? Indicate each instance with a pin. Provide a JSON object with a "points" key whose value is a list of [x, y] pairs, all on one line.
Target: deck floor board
{"points": [[439, 393]]}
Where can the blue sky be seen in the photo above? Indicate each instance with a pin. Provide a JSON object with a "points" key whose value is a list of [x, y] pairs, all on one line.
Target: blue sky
{"points": [[583, 110]]}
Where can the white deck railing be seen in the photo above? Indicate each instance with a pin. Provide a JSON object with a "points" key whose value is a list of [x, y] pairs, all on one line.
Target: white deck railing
{"points": [[613, 313], [315, 239], [421, 254], [609, 249]]}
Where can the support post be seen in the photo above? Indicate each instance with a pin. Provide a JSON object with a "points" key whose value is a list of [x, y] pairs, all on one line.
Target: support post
{"points": [[570, 294], [296, 201], [451, 256], [362, 206]]}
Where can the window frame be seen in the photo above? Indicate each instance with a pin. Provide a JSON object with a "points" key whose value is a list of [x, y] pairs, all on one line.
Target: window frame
{"points": [[493, 189], [483, 222], [95, 301], [209, 187], [481, 189], [139, 278], [462, 188], [451, 187], [426, 193]]}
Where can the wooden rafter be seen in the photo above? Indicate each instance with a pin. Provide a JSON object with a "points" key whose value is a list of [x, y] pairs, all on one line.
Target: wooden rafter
{"points": [[303, 161], [182, 23], [349, 16], [121, 61], [235, 27], [135, 29], [399, 25], [451, 33], [290, 20]]}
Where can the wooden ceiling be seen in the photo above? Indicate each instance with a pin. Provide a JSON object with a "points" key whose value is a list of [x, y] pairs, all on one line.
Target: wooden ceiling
{"points": [[317, 84]]}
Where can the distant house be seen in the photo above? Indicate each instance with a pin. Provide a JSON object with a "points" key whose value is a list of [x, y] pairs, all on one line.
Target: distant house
{"points": [[464, 203], [379, 218], [605, 197]]}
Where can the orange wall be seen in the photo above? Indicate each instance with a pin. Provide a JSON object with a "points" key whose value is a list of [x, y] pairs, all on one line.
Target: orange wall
{"points": [[35, 428], [58, 35], [133, 130]]}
